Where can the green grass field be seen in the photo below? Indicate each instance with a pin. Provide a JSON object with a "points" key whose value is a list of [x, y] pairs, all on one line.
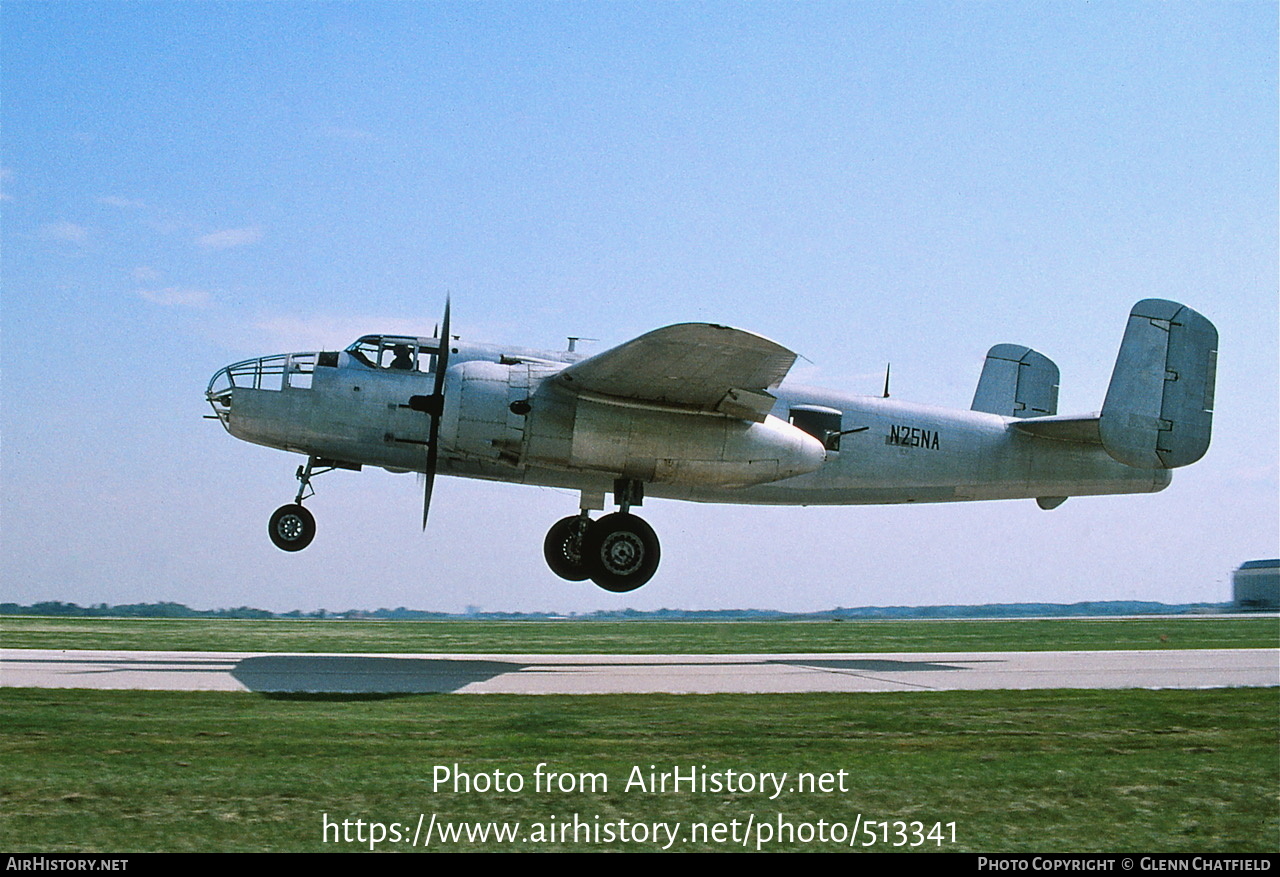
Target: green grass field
{"points": [[1069, 771], [1015, 771], [636, 637]]}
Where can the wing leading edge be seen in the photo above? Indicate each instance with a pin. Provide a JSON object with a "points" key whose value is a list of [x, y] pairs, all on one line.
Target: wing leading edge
{"points": [[699, 366]]}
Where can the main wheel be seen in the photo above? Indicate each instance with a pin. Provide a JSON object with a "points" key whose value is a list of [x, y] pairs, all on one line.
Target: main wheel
{"points": [[292, 527], [621, 551], [563, 548]]}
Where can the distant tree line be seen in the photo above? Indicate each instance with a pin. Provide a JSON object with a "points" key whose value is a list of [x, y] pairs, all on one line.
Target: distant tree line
{"points": [[130, 610], [993, 610]]}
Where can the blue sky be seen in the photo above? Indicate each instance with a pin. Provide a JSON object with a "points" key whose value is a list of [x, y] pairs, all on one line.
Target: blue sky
{"points": [[185, 185]]}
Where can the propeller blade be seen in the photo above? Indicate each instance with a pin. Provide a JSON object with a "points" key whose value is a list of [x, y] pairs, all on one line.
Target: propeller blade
{"points": [[429, 480], [437, 410], [442, 362]]}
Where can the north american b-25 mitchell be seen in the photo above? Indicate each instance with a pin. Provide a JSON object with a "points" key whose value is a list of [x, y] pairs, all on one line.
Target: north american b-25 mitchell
{"points": [[699, 412]]}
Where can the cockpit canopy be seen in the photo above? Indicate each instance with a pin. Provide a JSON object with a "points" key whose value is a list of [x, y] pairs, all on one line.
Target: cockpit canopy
{"points": [[398, 352]]}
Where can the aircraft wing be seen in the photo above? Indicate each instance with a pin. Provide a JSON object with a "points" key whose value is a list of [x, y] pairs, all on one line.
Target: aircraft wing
{"points": [[698, 366]]}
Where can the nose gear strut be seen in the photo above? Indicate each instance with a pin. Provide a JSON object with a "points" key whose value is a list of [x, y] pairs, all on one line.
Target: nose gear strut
{"points": [[292, 527]]}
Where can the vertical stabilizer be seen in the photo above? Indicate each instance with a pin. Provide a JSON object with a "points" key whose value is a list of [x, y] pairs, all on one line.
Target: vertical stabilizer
{"points": [[1017, 381], [1159, 406]]}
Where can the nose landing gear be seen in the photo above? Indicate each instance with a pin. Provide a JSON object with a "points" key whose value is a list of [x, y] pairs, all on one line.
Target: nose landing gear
{"points": [[292, 527], [619, 552]]}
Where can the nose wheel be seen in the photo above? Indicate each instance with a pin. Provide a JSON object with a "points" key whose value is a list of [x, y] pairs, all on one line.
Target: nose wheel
{"points": [[292, 527]]}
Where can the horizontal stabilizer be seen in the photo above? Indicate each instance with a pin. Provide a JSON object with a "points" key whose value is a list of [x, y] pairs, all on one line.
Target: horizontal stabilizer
{"points": [[1017, 381], [1158, 411], [1062, 428]]}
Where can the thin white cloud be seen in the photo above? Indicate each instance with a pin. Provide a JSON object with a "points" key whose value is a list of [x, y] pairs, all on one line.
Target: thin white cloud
{"points": [[6, 174], [69, 232], [126, 203], [176, 296], [231, 237], [146, 274]]}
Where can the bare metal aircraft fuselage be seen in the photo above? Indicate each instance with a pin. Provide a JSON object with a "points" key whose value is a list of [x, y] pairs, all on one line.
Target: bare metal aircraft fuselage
{"points": [[699, 412]]}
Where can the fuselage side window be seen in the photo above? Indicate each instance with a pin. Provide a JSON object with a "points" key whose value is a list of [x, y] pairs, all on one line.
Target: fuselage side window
{"points": [[299, 369], [820, 422]]}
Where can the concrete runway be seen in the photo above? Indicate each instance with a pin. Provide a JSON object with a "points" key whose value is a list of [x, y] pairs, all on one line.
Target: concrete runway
{"points": [[611, 674]]}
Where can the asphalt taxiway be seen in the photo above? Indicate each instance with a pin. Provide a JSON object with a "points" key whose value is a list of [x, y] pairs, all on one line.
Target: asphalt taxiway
{"points": [[613, 674]]}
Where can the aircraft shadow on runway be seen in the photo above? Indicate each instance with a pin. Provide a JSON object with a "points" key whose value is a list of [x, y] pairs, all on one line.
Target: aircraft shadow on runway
{"points": [[312, 675], [356, 674], [871, 665]]}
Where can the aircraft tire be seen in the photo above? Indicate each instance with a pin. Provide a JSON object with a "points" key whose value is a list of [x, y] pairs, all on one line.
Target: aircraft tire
{"points": [[621, 551], [292, 527], [563, 548]]}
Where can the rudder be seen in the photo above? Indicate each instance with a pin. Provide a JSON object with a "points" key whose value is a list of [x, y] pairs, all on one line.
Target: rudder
{"points": [[1017, 381], [1158, 412]]}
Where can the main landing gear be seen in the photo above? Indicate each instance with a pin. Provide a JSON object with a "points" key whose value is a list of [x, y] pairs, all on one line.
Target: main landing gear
{"points": [[619, 552]]}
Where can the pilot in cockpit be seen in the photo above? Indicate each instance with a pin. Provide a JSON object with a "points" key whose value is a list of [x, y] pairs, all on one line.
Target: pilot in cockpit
{"points": [[403, 359]]}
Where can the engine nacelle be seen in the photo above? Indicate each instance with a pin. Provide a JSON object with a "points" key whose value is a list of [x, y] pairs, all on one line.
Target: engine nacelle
{"points": [[676, 447], [513, 414], [479, 420]]}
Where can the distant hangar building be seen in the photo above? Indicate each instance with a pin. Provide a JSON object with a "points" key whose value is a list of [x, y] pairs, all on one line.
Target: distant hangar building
{"points": [[1257, 585]]}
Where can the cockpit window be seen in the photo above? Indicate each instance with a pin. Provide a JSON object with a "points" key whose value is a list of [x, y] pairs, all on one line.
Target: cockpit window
{"points": [[395, 352]]}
